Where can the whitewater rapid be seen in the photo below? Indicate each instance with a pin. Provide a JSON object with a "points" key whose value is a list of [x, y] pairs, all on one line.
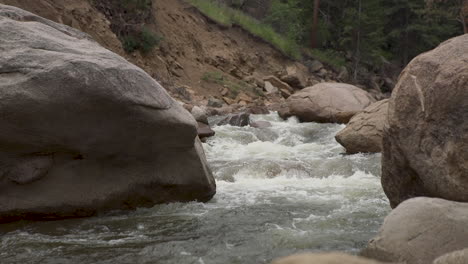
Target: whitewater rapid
{"points": [[281, 190]]}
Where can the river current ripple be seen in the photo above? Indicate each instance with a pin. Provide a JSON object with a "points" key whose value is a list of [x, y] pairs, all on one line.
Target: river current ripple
{"points": [[280, 190]]}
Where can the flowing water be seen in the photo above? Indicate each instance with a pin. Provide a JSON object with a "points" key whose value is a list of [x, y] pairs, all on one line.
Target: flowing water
{"points": [[280, 190]]}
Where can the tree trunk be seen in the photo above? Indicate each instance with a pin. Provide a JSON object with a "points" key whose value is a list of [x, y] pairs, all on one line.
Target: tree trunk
{"points": [[357, 56], [313, 35], [406, 39], [463, 14]]}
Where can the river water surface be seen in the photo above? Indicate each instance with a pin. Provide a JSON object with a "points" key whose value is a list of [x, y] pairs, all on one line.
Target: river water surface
{"points": [[280, 190]]}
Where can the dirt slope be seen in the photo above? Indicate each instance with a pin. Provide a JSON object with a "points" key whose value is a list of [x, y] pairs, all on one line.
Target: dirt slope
{"points": [[192, 48]]}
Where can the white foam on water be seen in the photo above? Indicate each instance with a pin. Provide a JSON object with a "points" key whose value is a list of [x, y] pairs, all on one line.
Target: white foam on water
{"points": [[251, 189]]}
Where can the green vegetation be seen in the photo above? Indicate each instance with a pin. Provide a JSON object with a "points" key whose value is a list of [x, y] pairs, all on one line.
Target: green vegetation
{"points": [[369, 33], [235, 87], [144, 41], [136, 4], [363, 35], [328, 56], [229, 16], [128, 19]]}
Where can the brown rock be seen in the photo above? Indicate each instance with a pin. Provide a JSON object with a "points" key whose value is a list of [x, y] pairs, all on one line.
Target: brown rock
{"points": [[214, 102], [282, 109], [322, 73], [280, 85], [296, 75], [425, 146], [183, 92], [364, 131], [204, 131], [229, 101], [324, 258], [253, 79], [199, 114], [244, 97], [238, 119], [329, 102], [285, 93], [419, 230], [270, 88], [84, 131], [258, 110], [225, 92]]}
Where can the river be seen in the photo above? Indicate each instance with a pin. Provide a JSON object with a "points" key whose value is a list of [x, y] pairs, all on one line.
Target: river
{"points": [[280, 190]]}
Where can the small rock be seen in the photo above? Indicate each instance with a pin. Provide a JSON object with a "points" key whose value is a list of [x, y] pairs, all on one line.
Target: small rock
{"points": [[239, 119], [296, 75], [229, 101], [225, 91], [322, 73], [199, 114], [204, 131], [254, 80], [285, 93], [324, 258], [244, 97], [184, 92], [260, 124], [269, 88], [280, 85], [389, 84], [343, 75], [213, 102], [188, 107], [315, 66], [258, 110]]}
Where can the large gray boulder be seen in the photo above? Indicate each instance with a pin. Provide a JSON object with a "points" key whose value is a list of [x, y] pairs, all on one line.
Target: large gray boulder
{"points": [[324, 258], [364, 131], [84, 131], [419, 230], [425, 142], [329, 103]]}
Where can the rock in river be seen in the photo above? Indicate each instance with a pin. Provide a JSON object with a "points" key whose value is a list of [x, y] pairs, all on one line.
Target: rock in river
{"points": [[425, 141], [84, 131], [329, 102], [324, 258], [364, 131], [419, 230]]}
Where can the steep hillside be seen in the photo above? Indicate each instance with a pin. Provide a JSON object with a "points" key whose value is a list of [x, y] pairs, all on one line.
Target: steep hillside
{"points": [[196, 58]]}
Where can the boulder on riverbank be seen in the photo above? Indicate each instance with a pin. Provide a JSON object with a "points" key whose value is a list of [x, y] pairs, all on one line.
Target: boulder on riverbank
{"points": [[425, 141], [329, 103], [324, 258], [364, 131], [84, 131], [419, 230]]}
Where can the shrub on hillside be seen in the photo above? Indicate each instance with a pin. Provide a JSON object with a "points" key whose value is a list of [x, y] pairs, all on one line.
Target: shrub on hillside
{"points": [[144, 40]]}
